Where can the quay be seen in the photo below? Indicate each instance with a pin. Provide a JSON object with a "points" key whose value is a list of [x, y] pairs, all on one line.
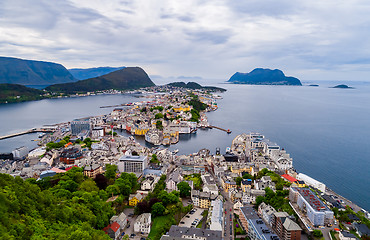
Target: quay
{"points": [[222, 129], [33, 130]]}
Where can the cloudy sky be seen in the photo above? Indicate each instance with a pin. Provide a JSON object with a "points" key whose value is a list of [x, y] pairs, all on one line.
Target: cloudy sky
{"points": [[311, 40]]}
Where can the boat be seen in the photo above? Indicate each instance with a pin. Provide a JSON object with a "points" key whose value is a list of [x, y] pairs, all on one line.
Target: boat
{"points": [[41, 135]]}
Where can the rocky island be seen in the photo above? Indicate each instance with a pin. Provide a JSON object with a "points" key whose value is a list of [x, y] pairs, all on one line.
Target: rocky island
{"points": [[342, 86], [261, 76]]}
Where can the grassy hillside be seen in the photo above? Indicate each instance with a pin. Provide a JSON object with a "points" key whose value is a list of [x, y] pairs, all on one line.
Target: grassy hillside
{"points": [[18, 93]]}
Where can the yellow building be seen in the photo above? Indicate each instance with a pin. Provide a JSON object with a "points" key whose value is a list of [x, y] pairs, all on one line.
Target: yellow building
{"points": [[181, 108], [134, 199], [141, 131], [228, 183], [300, 184], [239, 170]]}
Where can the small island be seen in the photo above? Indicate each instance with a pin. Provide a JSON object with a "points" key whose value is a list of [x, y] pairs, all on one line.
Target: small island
{"points": [[261, 76], [342, 86], [313, 85]]}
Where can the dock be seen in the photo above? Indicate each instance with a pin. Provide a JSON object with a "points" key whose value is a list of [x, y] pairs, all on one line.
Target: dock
{"points": [[33, 130], [222, 129]]}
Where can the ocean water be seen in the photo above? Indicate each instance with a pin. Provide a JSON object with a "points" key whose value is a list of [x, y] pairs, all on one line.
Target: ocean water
{"points": [[325, 130]]}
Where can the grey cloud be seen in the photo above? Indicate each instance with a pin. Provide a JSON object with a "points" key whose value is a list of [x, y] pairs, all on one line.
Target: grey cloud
{"points": [[215, 37]]}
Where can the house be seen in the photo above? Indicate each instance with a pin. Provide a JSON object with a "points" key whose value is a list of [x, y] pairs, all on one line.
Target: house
{"points": [[285, 227], [246, 184], [238, 205], [202, 199], [121, 219], [228, 182], [266, 212], [263, 183], [173, 180], [142, 223], [212, 188], [134, 199], [113, 230], [361, 229], [251, 195], [346, 236], [92, 170], [149, 183]]}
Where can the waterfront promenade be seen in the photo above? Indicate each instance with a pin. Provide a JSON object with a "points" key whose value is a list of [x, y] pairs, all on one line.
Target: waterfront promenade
{"points": [[33, 130]]}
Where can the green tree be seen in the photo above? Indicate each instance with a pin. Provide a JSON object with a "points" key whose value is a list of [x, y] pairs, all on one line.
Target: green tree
{"points": [[317, 233], [88, 186], [184, 189], [158, 209], [159, 125], [247, 176], [238, 180], [154, 159], [110, 171], [158, 116], [113, 190]]}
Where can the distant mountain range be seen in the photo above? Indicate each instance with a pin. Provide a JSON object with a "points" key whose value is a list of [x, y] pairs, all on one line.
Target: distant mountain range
{"points": [[29, 72], [194, 85], [18, 93], [260, 76], [124, 79], [86, 73]]}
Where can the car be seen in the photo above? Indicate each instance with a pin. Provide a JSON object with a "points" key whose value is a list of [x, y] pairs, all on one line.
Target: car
{"points": [[123, 233], [132, 235], [182, 222], [143, 238], [187, 216], [225, 234]]}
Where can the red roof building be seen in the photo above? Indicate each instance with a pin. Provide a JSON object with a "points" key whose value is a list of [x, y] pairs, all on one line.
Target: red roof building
{"points": [[112, 230], [289, 178]]}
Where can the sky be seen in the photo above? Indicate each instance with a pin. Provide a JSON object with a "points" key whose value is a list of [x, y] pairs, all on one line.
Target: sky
{"points": [[310, 40]]}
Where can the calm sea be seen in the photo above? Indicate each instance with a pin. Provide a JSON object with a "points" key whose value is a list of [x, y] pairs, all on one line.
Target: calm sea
{"points": [[324, 129]]}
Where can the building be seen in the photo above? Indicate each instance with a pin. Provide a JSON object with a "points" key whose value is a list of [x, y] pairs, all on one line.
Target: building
{"points": [[20, 153], [264, 182], [315, 210], [80, 125], [254, 226], [361, 229], [246, 184], [311, 182], [149, 183], [97, 132], [134, 164], [142, 223], [216, 215], [70, 154], [227, 183], [173, 180], [202, 199], [266, 212], [120, 219], [113, 230], [134, 199], [177, 233], [346, 236], [212, 188], [285, 227], [92, 170]]}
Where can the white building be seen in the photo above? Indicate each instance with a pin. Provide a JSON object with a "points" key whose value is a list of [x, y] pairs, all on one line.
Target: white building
{"points": [[20, 153], [173, 180], [266, 212], [134, 164], [311, 182], [120, 219], [216, 215], [212, 188], [142, 223], [315, 210], [149, 183]]}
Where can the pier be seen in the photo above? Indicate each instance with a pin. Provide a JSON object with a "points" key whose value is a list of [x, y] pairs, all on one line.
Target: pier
{"points": [[222, 129], [33, 130]]}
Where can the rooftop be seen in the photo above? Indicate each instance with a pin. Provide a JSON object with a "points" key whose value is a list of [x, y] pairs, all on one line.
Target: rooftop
{"points": [[177, 232], [289, 178], [132, 158], [312, 199]]}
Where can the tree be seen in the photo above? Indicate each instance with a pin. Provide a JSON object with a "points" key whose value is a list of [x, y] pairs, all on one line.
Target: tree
{"points": [[159, 125], [184, 189], [110, 171], [101, 181], [317, 233], [88, 186], [158, 209], [113, 190], [154, 159], [158, 116], [238, 180], [247, 176]]}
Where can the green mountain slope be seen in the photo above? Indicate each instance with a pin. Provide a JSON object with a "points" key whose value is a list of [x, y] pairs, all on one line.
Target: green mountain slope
{"points": [[124, 79], [18, 93], [260, 76]]}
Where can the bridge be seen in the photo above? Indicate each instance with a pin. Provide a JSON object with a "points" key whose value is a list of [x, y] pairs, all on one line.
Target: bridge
{"points": [[33, 130], [222, 129]]}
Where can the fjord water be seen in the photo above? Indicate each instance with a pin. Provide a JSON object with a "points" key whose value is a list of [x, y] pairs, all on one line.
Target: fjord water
{"points": [[324, 129]]}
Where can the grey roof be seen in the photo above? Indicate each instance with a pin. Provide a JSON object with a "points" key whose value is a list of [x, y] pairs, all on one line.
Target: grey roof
{"points": [[290, 225], [132, 158], [362, 229], [348, 235], [177, 232]]}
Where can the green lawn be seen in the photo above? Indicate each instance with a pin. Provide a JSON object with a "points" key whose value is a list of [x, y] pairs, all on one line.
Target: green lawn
{"points": [[160, 226]]}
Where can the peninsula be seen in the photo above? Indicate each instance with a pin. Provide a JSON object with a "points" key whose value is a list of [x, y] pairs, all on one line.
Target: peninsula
{"points": [[260, 76]]}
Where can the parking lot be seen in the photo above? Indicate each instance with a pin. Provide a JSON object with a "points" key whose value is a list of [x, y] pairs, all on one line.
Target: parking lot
{"points": [[194, 216]]}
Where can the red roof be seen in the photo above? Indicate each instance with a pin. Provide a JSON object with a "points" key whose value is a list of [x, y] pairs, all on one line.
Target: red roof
{"points": [[114, 226], [289, 178], [69, 168]]}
